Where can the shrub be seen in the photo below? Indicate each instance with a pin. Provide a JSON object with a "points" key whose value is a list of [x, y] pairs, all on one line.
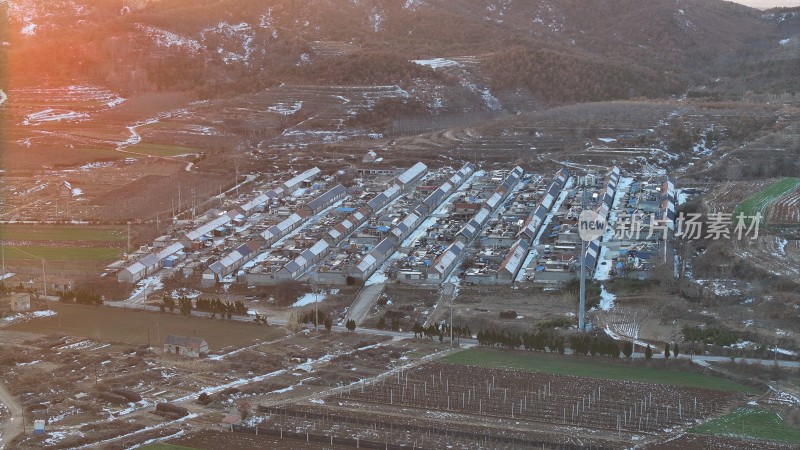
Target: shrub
{"points": [[508, 314]]}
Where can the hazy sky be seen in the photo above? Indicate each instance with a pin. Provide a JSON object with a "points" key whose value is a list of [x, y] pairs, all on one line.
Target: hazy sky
{"points": [[764, 4]]}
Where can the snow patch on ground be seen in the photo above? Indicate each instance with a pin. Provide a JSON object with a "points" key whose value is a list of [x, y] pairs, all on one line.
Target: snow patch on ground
{"points": [[721, 288], [286, 109], [164, 38], [377, 278], [54, 115], [606, 299], [376, 20], [311, 297], [185, 292], [490, 100], [782, 351], [412, 4], [436, 63], [30, 29], [149, 284], [781, 243], [743, 345], [22, 317], [619, 337]]}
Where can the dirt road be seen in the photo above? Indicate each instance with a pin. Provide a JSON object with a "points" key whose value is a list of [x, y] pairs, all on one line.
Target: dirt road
{"points": [[12, 425], [443, 305]]}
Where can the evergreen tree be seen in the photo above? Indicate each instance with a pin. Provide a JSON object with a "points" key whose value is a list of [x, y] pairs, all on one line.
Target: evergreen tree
{"points": [[351, 325], [185, 306], [675, 349], [648, 352], [627, 349], [666, 351]]}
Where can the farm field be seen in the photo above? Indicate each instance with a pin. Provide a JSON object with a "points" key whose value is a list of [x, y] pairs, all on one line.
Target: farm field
{"points": [[162, 446], [62, 253], [761, 200], [753, 424], [785, 210], [208, 439], [570, 365], [28, 232], [500, 408], [130, 326]]}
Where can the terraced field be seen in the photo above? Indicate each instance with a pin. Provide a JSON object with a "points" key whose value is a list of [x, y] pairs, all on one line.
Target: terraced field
{"points": [[761, 200], [749, 423], [786, 210]]}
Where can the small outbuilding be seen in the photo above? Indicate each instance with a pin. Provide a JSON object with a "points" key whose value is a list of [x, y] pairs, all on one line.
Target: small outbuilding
{"points": [[20, 301], [230, 420], [193, 347], [370, 157]]}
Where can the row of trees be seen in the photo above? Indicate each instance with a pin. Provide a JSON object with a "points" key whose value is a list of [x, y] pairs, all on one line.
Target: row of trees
{"points": [[395, 324], [321, 318], [602, 344], [441, 330], [81, 297], [581, 344], [539, 341], [215, 306]]}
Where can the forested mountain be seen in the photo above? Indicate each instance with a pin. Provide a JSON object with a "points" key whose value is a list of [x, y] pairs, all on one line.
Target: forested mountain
{"points": [[562, 51]]}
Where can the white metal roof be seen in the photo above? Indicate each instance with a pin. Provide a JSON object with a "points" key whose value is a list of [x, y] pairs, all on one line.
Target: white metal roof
{"points": [[305, 176], [446, 260], [516, 256], [412, 174]]}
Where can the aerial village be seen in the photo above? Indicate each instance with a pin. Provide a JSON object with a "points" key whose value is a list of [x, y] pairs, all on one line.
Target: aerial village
{"points": [[418, 226]]}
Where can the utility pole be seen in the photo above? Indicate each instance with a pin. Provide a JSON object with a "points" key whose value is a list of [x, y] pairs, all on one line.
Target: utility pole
{"points": [[129, 238], [3, 252], [236, 164], [452, 300], [582, 306], [44, 277], [316, 308]]}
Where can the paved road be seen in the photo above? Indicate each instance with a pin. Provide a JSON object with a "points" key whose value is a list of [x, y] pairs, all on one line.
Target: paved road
{"points": [[363, 303], [398, 335], [12, 426]]}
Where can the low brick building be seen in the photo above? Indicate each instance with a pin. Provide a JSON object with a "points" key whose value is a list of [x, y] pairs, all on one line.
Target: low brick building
{"points": [[193, 347]]}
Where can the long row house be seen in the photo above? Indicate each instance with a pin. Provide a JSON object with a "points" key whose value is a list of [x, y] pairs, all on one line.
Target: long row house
{"points": [[556, 250], [397, 234], [216, 225], [643, 216], [328, 243], [418, 226], [507, 244]]}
